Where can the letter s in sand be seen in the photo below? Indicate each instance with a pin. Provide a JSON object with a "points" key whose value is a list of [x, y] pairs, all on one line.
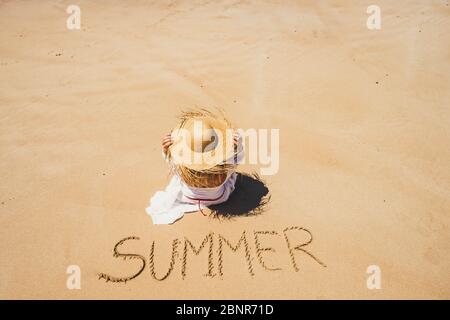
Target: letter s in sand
{"points": [[125, 256]]}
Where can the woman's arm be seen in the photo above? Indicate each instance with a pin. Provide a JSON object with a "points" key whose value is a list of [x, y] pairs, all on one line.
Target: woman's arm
{"points": [[166, 142]]}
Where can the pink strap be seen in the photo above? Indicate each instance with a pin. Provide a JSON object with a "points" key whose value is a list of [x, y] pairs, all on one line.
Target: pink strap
{"points": [[199, 201]]}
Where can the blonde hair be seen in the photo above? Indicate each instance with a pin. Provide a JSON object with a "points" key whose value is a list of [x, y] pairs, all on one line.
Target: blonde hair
{"points": [[202, 179]]}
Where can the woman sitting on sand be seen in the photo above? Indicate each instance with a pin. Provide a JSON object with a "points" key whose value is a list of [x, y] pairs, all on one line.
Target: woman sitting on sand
{"points": [[203, 153]]}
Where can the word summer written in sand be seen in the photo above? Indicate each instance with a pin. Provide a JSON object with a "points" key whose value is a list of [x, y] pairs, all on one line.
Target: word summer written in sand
{"points": [[214, 245]]}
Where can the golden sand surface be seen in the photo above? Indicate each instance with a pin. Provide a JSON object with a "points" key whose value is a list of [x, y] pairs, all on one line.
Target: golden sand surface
{"points": [[364, 120]]}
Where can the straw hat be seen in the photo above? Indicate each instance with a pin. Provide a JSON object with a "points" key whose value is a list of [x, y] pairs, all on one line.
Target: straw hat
{"points": [[202, 141]]}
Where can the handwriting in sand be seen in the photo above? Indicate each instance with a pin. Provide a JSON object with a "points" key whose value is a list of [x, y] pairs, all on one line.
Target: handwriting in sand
{"points": [[215, 244]]}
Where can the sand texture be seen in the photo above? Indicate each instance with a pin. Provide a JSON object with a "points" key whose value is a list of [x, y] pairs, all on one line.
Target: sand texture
{"points": [[364, 120]]}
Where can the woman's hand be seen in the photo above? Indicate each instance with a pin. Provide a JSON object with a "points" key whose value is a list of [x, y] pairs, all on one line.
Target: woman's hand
{"points": [[166, 142]]}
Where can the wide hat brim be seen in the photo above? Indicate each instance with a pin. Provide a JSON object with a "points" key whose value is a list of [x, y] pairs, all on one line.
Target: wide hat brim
{"points": [[182, 154]]}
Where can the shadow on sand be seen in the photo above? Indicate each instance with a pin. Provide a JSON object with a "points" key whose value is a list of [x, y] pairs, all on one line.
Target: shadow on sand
{"points": [[249, 198]]}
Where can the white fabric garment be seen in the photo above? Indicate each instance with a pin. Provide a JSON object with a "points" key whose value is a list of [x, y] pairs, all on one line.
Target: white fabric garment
{"points": [[178, 198], [171, 204]]}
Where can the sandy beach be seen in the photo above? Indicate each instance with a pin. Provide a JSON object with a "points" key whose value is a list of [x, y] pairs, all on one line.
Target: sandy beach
{"points": [[364, 163]]}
